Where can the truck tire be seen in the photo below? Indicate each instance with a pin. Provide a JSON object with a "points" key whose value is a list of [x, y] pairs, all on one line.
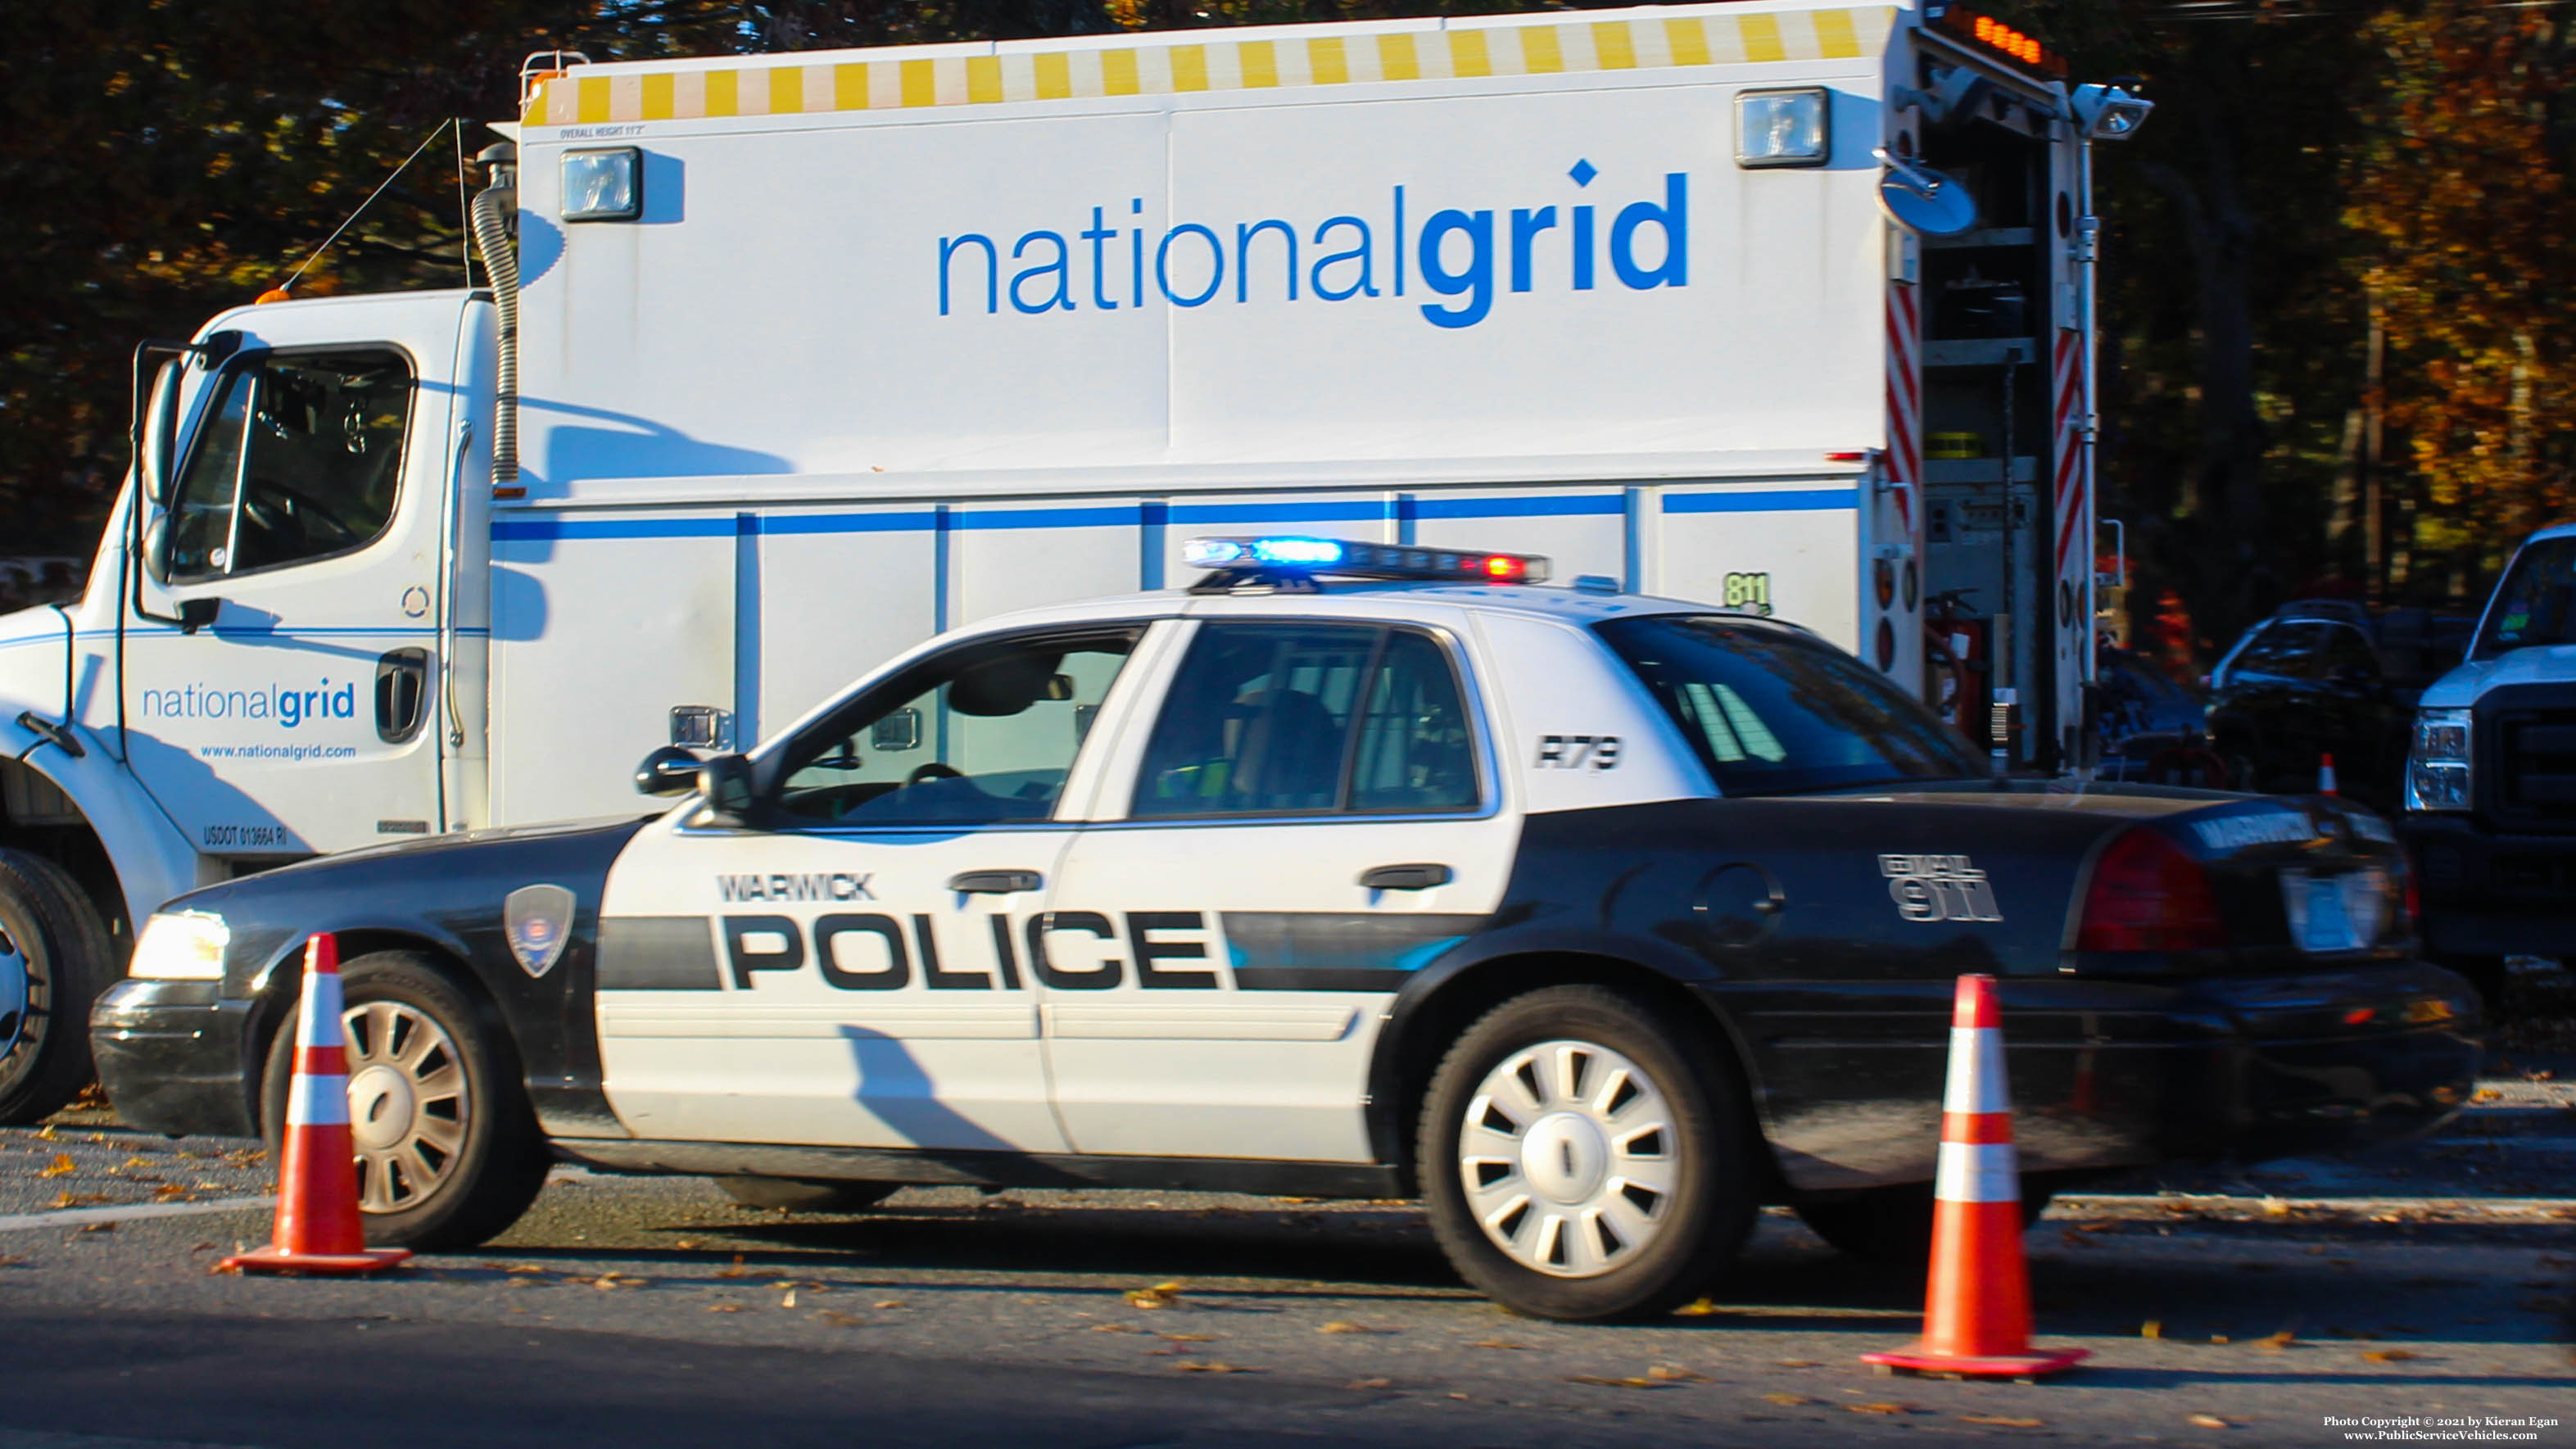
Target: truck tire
{"points": [[1583, 1161], [448, 1150], [1892, 1226], [796, 1195], [56, 953]]}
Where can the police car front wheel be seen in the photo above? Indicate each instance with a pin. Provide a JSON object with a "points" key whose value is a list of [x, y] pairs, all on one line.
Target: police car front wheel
{"points": [[448, 1149], [1581, 1160]]}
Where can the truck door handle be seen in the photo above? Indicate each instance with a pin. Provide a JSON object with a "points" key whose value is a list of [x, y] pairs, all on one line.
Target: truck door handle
{"points": [[995, 882], [402, 688], [1420, 876]]}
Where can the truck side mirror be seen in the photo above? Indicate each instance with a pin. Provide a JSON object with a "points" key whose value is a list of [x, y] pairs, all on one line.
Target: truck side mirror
{"points": [[160, 433], [669, 770], [726, 782]]}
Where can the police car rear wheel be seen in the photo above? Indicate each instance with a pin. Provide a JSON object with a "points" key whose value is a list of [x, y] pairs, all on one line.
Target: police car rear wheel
{"points": [[448, 1149], [1582, 1161], [54, 961], [781, 1194]]}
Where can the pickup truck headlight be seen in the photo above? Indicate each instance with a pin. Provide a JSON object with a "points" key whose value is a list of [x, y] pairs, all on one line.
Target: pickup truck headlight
{"points": [[2438, 766], [181, 946]]}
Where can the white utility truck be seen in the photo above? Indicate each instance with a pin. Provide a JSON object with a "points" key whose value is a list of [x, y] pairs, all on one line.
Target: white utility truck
{"points": [[788, 362]]}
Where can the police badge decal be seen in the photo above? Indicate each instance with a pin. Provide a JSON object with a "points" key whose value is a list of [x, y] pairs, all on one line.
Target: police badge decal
{"points": [[537, 920]]}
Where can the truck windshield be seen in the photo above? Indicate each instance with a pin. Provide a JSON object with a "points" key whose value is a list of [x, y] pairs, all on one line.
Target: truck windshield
{"points": [[1771, 711], [2536, 603]]}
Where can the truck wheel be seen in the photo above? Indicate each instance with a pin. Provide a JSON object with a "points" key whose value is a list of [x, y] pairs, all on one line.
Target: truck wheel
{"points": [[54, 961], [1583, 1161], [448, 1149], [1892, 1226], [796, 1195]]}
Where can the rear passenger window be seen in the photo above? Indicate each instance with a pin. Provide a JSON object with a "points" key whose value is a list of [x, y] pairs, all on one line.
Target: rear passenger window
{"points": [[1289, 718]]}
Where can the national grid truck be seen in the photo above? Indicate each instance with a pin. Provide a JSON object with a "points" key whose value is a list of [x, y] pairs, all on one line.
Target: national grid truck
{"points": [[780, 364]]}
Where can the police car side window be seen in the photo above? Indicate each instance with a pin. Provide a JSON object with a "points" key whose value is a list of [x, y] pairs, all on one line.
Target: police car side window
{"points": [[983, 734], [298, 459], [1294, 718]]}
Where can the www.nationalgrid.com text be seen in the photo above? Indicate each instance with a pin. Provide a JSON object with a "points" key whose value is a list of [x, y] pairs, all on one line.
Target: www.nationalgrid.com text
{"points": [[2410, 1428], [277, 752]]}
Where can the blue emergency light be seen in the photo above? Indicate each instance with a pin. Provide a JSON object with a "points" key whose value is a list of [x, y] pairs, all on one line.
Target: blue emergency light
{"points": [[1293, 557]]}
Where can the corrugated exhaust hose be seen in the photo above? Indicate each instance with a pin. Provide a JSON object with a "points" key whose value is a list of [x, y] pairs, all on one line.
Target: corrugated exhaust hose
{"points": [[495, 208]]}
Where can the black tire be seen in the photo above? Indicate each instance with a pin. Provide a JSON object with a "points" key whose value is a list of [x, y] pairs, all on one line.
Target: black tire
{"points": [[795, 1195], [1696, 1226], [499, 1157], [51, 933], [1892, 1226]]}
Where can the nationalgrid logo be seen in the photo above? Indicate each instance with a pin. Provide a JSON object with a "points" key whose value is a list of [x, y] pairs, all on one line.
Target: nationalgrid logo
{"points": [[1457, 255], [284, 704]]}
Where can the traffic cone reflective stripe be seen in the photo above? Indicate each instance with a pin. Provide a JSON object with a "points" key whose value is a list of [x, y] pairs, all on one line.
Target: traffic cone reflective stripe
{"points": [[318, 1226], [2325, 774], [1976, 1312]]}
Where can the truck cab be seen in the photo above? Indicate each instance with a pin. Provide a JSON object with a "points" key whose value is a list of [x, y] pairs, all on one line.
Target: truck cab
{"points": [[2490, 791]]}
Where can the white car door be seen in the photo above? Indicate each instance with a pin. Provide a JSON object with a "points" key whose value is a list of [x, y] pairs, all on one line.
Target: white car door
{"points": [[311, 501], [1310, 816], [844, 966]]}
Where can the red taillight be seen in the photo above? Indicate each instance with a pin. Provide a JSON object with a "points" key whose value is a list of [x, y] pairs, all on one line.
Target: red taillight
{"points": [[2147, 895], [1503, 568]]}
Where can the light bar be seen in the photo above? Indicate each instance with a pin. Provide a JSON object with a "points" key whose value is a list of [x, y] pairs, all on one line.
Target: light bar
{"points": [[1340, 558], [1993, 36]]}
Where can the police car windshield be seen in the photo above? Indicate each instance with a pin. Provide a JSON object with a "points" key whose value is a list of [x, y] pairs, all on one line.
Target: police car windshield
{"points": [[2536, 603], [1773, 712]]}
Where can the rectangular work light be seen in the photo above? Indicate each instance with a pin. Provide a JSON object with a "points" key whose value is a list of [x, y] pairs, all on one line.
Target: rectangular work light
{"points": [[603, 185], [1783, 128]]}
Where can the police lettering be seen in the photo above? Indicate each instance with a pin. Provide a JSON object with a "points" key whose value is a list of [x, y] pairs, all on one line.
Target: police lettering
{"points": [[1066, 950]]}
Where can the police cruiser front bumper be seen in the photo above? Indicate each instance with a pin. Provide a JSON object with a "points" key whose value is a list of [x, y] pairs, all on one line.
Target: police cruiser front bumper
{"points": [[174, 1057]]}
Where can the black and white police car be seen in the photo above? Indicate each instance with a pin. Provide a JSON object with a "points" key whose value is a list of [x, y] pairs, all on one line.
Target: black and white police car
{"points": [[1596, 921]]}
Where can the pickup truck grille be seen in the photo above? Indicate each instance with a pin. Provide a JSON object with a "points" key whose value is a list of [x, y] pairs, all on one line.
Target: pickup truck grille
{"points": [[2528, 755]]}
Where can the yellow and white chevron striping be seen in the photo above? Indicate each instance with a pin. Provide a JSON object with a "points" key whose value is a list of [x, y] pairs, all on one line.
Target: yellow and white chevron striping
{"points": [[1003, 75]]}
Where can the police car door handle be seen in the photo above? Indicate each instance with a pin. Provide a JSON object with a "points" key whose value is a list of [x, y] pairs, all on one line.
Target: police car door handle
{"points": [[995, 882], [1415, 877]]}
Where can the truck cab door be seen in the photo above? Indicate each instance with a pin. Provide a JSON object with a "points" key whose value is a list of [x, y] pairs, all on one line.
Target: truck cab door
{"points": [[311, 498]]}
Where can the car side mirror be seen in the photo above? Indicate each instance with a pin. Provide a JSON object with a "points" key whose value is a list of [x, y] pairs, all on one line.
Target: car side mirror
{"points": [[667, 771], [160, 433], [726, 782]]}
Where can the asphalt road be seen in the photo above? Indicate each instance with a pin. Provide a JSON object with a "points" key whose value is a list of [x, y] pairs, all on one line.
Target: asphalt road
{"points": [[2221, 1308]]}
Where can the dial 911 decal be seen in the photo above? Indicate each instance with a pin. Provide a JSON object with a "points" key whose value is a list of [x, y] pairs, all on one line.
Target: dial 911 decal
{"points": [[1933, 888]]}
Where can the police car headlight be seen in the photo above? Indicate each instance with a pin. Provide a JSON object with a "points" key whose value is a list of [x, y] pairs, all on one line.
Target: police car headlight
{"points": [[2438, 766], [181, 946], [1782, 128]]}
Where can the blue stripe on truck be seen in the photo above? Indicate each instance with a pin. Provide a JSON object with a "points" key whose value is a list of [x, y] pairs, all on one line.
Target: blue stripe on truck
{"points": [[1121, 515]]}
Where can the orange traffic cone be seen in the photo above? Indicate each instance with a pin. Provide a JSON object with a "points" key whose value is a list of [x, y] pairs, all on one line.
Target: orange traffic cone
{"points": [[318, 1228], [2325, 774], [1976, 1312]]}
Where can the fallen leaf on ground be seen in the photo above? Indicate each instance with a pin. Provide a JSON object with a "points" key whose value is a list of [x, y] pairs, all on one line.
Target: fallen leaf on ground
{"points": [[2002, 1421], [685, 1244], [1883, 1408], [1187, 1337], [46, 1132], [10, 1261], [2220, 1338], [2281, 1340], [62, 1166], [2210, 1421], [1211, 1366], [1338, 1326], [1787, 1399], [1369, 1384], [1497, 1343], [172, 1192], [1697, 1308], [80, 1199], [2274, 1207], [1671, 1375], [736, 1271], [889, 1303], [98, 1227], [726, 1308], [1161, 1295], [1115, 1328], [789, 1301], [1639, 1382], [844, 1320], [2387, 1355], [2152, 1328]]}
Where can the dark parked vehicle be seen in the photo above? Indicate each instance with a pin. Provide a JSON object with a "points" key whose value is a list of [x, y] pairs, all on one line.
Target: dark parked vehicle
{"points": [[2298, 687], [2154, 731]]}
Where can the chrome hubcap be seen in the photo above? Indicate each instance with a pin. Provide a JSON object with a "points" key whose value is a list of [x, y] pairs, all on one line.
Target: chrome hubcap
{"points": [[407, 1104], [1569, 1158], [18, 991]]}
